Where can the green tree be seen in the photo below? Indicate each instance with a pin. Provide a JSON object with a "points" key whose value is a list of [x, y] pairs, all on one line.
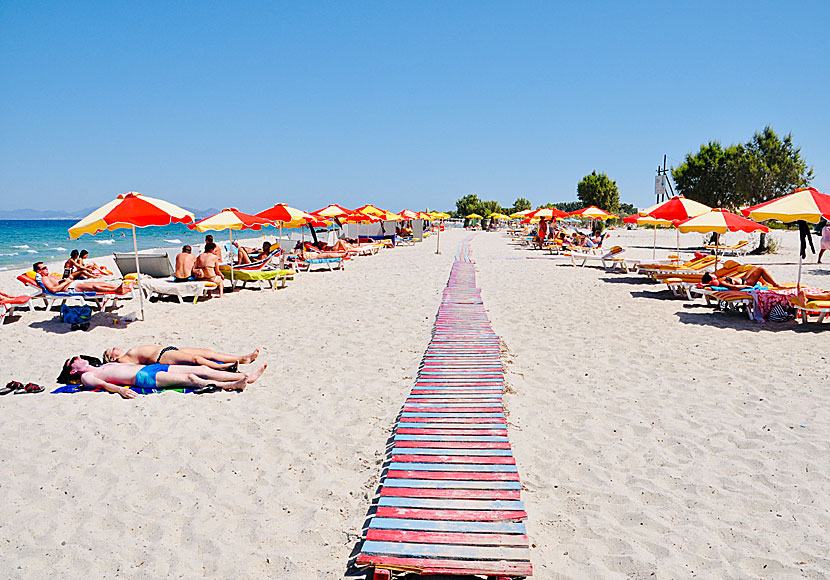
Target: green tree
{"points": [[567, 206], [710, 176], [466, 205], [771, 167], [627, 209], [521, 204], [597, 189]]}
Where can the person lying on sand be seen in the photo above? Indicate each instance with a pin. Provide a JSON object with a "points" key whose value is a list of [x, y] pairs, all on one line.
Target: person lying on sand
{"points": [[54, 285], [171, 355], [748, 279], [116, 377]]}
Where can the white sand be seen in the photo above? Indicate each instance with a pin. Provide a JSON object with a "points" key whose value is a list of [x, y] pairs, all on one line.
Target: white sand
{"points": [[652, 435]]}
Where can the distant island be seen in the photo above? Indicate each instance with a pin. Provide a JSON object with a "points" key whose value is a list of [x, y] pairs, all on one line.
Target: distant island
{"points": [[46, 214]]}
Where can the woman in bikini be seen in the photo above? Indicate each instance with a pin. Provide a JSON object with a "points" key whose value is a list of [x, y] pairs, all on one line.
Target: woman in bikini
{"points": [[155, 353], [753, 276]]}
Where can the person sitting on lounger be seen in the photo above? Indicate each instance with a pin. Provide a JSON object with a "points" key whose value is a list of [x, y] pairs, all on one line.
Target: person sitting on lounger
{"points": [[51, 284], [184, 265], [171, 355], [206, 267], [753, 276], [74, 269], [248, 255], [116, 377], [92, 267]]}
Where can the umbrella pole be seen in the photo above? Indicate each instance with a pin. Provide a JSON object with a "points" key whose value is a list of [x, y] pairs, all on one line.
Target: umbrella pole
{"points": [[231, 251], [678, 245], [654, 249], [798, 284], [138, 276], [438, 238]]}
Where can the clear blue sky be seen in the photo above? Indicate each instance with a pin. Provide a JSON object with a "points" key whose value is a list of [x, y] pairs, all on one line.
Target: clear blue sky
{"points": [[400, 104]]}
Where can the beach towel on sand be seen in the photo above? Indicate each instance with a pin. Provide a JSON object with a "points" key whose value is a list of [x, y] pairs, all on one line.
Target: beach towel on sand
{"points": [[139, 390]]}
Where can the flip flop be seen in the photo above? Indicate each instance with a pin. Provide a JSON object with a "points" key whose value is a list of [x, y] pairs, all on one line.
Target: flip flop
{"points": [[30, 388], [211, 388], [11, 387], [234, 368]]}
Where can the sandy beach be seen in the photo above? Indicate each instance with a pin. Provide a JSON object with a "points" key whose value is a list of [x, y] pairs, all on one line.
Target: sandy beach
{"points": [[655, 438]]}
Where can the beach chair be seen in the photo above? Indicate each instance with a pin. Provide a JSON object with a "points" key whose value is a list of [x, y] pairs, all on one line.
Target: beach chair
{"points": [[610, 259], [667, 267], [97, 299], [154, 265], [8, 305], [738, 249], [819, 308], [195, 289], [330, 263]]}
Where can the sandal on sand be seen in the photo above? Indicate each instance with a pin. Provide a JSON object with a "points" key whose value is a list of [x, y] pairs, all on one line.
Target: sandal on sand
{"points": [[211, 388], [234, 368], [11, 387], [30, 388]]}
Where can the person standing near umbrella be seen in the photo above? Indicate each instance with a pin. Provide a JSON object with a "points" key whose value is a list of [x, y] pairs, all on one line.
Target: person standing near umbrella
{"points": [[825, 241]]}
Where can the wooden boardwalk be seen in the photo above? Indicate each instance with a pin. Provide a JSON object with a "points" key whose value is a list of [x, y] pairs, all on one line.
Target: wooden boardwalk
{"points": [[450, 500]]}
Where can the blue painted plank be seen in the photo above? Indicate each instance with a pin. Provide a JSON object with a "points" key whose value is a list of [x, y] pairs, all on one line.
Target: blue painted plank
{"points": [[451, 504], [403, 466], [450, 451], [446, 551], [449, 483]]}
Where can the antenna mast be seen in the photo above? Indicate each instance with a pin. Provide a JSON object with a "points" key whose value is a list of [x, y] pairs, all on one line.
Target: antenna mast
{"points": [[661, 181]]}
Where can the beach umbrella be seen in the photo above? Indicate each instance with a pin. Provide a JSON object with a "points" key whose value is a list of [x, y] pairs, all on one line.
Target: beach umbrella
{"points": [[719, 221], [333, 211], [806, 203], [594, 213], [498, 216], [409, 214], [290, 217], [230, 219], [474, 216], [371, 210], [439, 215], [676, 209], [547, 212], [520, 214], [131, 210]]}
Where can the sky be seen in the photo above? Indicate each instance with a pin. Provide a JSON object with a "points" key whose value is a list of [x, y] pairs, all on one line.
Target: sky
{"points": [[398, 104]]}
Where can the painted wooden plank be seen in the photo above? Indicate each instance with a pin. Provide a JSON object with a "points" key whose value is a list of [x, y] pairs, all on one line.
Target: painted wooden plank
{"points": [[453, 420], [449, 415], [456, 391], [453, 444], [447, 526], [390, 482], [412, 536], [452, 438], [421, 465], [449, 405], [449, 493], [446, 551], [451, 504], [496, 430], [405, 473], [483, 410], [446, 451], [449, 567], [453, 515]]}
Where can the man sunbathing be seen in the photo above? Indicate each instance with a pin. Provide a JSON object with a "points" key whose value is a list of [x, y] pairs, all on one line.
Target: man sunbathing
{"points": [[753, 276], [171, 355], [54, 285], [116, 377]]}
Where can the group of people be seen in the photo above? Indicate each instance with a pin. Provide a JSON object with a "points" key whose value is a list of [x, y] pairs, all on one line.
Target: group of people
{"points": [[77, 268], [550, 230], [205, 266], [157, 367]]}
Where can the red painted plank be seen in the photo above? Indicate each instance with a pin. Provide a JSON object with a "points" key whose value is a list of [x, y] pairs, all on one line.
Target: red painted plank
{"points": [[451, 515], [450, 493], [413, 431], [454, 410], [453, 420], [455, 444], [465, 459], [451, 567], [469, 539], [455, 475]]}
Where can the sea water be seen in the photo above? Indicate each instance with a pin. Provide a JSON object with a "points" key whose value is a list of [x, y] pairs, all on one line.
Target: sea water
{"points": [[24, 242]]}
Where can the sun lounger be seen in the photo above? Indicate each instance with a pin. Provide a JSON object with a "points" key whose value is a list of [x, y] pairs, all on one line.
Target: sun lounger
{"points": [[818, 308], [180, 290], [738, 249], [264, 278], [153, 265], [697, 265], [98, 299], [330, 263], [608, 259], [8, 305]]}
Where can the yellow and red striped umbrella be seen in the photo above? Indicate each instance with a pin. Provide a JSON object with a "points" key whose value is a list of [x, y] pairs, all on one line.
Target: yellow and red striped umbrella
{"points": [[332, 211], [409, 214], [290, 217], [806, 204], [130, 210], [231, 219], [546, 212], [594, 213], [720, 221], [677, 208]]}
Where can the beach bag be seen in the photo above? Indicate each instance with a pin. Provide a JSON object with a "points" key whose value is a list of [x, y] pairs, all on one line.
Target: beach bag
{"points": [[75, 314], [781, 313]]}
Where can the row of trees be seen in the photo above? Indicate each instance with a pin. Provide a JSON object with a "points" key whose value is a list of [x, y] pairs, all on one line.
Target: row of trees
{"points": [[594, 189]]}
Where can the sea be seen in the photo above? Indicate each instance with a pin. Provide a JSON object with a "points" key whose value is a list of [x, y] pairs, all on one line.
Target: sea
{"points": [[24, 242]]}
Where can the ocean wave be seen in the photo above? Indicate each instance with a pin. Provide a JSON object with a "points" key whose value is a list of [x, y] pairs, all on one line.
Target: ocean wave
{"points": [[10, 254], [60, 249], [23, 247], [3, 268], [31, 251], [108, 242], [174, 241]]}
